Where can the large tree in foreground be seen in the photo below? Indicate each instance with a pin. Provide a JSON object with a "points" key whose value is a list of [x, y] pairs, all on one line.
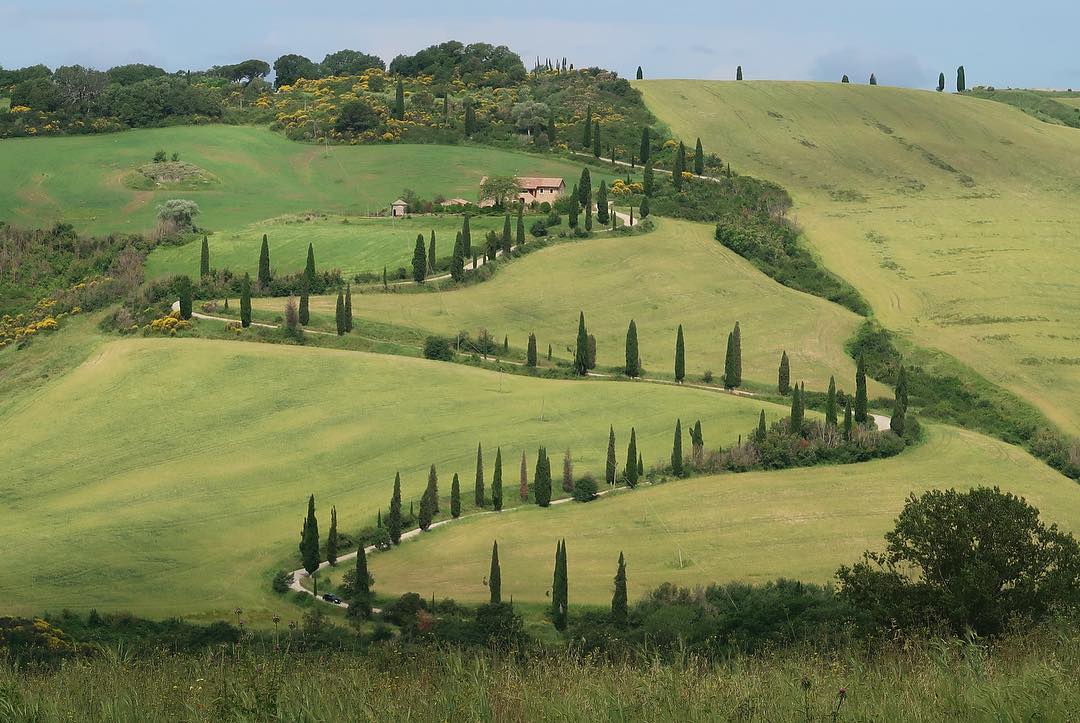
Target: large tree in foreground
{"points": [[976, 560]]}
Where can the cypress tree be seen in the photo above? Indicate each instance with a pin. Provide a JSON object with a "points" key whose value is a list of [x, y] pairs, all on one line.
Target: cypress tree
{"points": [[520, 235], [431, 253], [940, 82], [737, 341], [542, 478], [585, 189], [339, 314], [680, 167], [478, 487], [457, 261], [643, 151], [361, 597], [506, 345], [729, 363], [900, 403], [305, 301], [699, 159], [446, 107], [378, 519], [185, 297], [586, 139], [245, 302], [466, 239], [393, 519], [602, 203], [575, 209], [783, 377], [609, 471], [860, 392], [551, 127], [399, 101], [649, 180], [797, 412], [640, 466], [470, 119], [630, 471], [264, 264], [309, 267], [633, 358], [676, 451], [639, 75], [592, 352], [845, 79], [549, 352], [848, 422], [348, 308], [873, 79], [419, 261], [495, 576], [455, 497], [559, 588], [309, 539], [961, 80], [596, 139], [384, 283], [204, 259], [830, 404], [643, 210], [902, 386], [581, 354], [427, 511], [588, 217], [697, 443], [568, 472], [505, 239], [530, 354], [759, 435], [738, 73], [523, 480], [618, 600], [332, 538], [496, 482], [680, 356]]}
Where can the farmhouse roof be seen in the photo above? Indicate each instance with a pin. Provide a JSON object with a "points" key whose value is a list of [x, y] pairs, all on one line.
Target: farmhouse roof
{"points": [[532, 182], [399, 202]]}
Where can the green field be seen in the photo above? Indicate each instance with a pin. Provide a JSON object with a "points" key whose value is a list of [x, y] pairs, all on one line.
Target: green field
{"points": [[350, 243], [955, 217], [176, 477], [757, 526], [676, 274], [80, 179]]}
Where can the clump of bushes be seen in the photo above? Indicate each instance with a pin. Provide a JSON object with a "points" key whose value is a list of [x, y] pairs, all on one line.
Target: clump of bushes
{"points": [[436, 347]]}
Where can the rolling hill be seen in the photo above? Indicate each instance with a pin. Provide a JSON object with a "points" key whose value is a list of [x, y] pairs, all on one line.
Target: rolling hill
{"points": [[955, 217]]}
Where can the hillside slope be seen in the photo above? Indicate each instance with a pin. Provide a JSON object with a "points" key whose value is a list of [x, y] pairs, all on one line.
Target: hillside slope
{"points": [[955, 217]]}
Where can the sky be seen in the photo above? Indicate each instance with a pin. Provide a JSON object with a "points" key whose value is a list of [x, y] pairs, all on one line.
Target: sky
{"points": [[904, 43]]}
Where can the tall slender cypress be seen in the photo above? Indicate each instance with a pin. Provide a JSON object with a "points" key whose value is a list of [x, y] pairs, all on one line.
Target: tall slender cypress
{"points": [[738, 73], [676, 451], [648, 181], [495, 576], [393, 519], [245, 302], [519, 238], [457, 261], [466, 238], [630, 471], [361, 593], [559, 588], [783, 376], [204, 258], [619, 610], [542, 478], [586, 138], [332, 538], [861, 402], [581, 354], [186, 299], [848, 422], [523, 480], [431, 253], [633, 358], [419, 261], [940, 82], [680, 356], [305, 301], [339, 314], [609, 470], [899, 415], [639, 74], [759, 435], [568, 472], [596, 139], [602, 203], [348, 308], [797, 411], [399, 101], [309, 267], [699, 159], [506, 238], [736, 336], [496, 482], [455, 497], [680, 167], [961, 80], [643, 151], [730, 381], [830, 404], [478, 487], [309, 539], [530, 353], [585, 189], [264, 264]]}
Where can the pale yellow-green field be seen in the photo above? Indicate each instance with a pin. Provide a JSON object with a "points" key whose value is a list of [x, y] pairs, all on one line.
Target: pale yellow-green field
{"points": [[957, 218]]}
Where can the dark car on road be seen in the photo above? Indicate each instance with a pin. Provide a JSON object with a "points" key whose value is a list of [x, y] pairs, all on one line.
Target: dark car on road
{"points": [[332, 598]]}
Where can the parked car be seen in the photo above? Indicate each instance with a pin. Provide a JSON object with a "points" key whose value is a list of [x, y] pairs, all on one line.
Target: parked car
{"points": [[332, 598]]}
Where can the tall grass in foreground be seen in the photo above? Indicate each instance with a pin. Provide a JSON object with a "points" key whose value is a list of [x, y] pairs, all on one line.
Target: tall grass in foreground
{"points": [[1027, 676]]}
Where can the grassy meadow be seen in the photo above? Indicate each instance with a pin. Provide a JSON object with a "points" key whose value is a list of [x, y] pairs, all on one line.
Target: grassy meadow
{"points": [[955, 217], [755, 527], [676, 274], [81, 179], [175, 480], [351, 243]]}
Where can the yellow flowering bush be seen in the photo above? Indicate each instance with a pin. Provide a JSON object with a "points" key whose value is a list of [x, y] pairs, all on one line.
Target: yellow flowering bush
{"points": [[168, 324]]}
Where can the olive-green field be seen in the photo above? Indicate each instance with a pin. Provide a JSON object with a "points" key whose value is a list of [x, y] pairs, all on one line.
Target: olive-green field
{"points": [[957, 218]]}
